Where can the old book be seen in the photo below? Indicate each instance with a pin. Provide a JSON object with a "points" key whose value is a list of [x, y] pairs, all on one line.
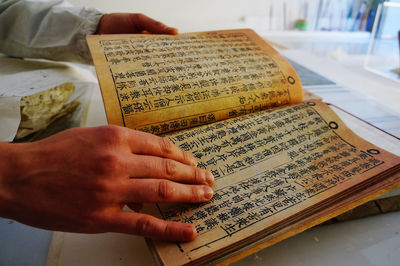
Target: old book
{"points": [[281, 164]]}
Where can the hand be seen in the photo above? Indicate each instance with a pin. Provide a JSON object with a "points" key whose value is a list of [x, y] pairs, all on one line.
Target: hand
{"points": [[80, 179], [121, 23]]}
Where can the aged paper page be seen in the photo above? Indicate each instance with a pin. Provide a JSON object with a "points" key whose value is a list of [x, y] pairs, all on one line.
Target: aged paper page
{"points": [[161, 83], [271, 167]]}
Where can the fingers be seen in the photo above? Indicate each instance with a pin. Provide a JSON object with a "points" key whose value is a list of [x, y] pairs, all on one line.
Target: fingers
{"points": [[118, 23], [149, 226], [148, 144], [144, 23], [143, 166], [159, 190]]}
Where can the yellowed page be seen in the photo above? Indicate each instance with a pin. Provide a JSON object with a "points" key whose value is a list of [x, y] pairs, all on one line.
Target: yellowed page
{"points": [[161, 83], [272, 168]]}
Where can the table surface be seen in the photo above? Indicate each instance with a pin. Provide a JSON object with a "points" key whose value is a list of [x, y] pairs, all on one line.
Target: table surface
{"points": [[369, 241]]}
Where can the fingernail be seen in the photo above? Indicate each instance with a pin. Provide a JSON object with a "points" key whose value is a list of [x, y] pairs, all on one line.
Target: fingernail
{"points": [[209, 178], [173, 31], [208, 193]]}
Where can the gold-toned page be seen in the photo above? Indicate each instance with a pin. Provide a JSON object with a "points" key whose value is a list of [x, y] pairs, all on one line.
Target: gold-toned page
{"points": [[309, 96], [162, 83], [270, 167]]}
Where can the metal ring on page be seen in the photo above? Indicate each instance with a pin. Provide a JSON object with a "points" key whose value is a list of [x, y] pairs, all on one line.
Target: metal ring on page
{"points": [[291, 80]]}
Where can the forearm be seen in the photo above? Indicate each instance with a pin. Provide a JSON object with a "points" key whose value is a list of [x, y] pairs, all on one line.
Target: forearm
{"points": [[46, 29]]}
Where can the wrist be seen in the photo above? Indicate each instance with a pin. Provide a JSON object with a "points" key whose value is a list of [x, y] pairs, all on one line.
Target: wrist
{"points": [[11, 167]]}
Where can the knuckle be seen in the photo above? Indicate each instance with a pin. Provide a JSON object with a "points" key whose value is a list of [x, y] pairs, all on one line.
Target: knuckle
{"points": [[198, 176], [158, 24], [196, 195], [102, 186], [111, 134], [165, 190], [107, 163], [102, 193], [90, 222], [139, 16], [143, 225], [85, 222], [186, 157], [166, 146], [169, 167], [167, 230]]}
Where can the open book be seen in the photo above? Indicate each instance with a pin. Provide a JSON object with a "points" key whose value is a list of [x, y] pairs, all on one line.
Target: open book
{"points": [[281, 165]]}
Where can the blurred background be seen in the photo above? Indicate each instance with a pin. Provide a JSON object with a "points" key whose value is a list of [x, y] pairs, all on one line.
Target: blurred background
{"points": [[265, 15], [334, 28]]}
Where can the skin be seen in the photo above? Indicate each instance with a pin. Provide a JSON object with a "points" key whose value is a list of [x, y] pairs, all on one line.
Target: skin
{"points": [[121, 23], [79, 180]]}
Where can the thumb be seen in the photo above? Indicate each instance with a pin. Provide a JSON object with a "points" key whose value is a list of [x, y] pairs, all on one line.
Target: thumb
{"points": [[144, 23]]}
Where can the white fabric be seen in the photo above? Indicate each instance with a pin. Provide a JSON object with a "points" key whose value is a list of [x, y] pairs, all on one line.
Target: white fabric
{"points": [[53, 30]]}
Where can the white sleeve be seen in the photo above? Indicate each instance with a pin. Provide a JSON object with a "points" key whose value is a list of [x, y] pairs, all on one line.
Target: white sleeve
{"points": [[46, 29]]}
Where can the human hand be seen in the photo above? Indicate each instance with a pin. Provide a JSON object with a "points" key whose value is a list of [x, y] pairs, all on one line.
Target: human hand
{"points": [[80, 179], [121, 23]]}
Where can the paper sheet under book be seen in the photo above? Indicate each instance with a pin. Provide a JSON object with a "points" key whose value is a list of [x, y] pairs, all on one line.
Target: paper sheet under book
{"points": [[21, 78]]}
